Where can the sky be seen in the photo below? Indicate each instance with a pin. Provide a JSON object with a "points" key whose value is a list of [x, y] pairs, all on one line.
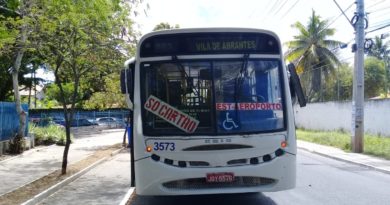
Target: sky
{"points": [[274, 15], [44, 74]]}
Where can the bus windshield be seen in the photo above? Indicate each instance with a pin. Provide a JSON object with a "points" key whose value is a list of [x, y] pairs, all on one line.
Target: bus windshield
{"points": [[229, 96]]}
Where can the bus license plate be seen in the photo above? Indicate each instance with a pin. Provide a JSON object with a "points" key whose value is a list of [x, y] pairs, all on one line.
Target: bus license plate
{"points": [[220, 177]]}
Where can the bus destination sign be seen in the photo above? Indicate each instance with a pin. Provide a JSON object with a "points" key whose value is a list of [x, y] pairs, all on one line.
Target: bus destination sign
{"points": [[209, 43], [239, 45]]}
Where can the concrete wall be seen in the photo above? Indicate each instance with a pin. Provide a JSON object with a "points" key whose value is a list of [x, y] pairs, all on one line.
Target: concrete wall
{"points": [[338, 115]]}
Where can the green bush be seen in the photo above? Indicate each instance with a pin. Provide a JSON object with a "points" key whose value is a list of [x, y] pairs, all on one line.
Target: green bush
{"points": [[52, 134]]}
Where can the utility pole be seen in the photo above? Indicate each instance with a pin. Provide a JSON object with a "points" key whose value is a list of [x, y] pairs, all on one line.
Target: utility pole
{"points": [[358, 81]]}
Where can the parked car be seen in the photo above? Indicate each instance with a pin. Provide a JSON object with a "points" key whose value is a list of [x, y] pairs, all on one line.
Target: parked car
{"points": [[82, 122], [78, 123], [111, 122], [45, 122]]}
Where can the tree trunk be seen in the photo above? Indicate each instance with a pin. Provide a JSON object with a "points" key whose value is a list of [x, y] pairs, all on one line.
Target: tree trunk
{"points": [[29, 92], [17, 144], [67, 146], [35, 67], [68, 114]]}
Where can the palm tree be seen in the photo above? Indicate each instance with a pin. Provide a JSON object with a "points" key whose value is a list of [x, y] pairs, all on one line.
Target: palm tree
{"points": [[313, 54], [381, 50]]}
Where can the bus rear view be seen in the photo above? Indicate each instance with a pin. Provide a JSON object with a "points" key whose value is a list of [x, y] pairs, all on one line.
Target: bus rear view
{"points": [[212, 113]]}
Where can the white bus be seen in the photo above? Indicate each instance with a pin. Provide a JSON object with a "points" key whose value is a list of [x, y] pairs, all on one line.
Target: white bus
{"points": [[212, 112]]}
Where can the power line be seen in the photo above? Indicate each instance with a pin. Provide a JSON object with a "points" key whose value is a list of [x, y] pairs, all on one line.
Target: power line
{"points": [[384, 33], [324, 65], [284, 3], [269, 11], [376, 4], [324, 60], [381, 9], [296, 2], [380, 23], [380, 15], [255, 9], [274, 6], [333, 49], [334, 20], [342, 12], [385, 26]]}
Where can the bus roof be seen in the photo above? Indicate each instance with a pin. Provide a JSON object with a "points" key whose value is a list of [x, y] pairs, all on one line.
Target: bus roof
{"points": [[129, 61], [208, 41]]}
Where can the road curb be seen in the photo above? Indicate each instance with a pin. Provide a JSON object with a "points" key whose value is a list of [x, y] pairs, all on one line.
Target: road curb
{"points": [[127, 196], [113, 130], [345, 160], [51, 190]]}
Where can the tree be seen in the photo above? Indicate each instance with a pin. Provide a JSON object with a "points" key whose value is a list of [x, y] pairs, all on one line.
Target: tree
{"points": [[110, 97], [374, 77], [340, 88], [381, 50], [165, 26], [7, 39], [14, 33], [53, 92], [345, 78], [10, 36], [313, 54], [77, 38]]}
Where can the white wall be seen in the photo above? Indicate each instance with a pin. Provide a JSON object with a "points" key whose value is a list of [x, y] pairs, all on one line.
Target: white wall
{"points": [[338, 115]]}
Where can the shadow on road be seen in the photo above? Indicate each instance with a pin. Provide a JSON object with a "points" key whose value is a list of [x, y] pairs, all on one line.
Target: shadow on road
{"points": [[223, 199]]}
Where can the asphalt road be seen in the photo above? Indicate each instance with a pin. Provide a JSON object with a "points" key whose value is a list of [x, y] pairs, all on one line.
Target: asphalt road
{"points": [[320, 180]]}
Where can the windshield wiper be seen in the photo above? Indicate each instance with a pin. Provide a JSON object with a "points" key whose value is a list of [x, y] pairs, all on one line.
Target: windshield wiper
{"points": [[189, 86], [238, 84], [240, 80]]}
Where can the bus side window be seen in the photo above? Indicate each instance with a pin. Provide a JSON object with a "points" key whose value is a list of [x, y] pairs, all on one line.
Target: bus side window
{"points": [[126, 80]]}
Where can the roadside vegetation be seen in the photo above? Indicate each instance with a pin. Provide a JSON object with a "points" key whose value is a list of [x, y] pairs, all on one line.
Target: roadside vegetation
{"points": [[373, 144], [51, 134]]}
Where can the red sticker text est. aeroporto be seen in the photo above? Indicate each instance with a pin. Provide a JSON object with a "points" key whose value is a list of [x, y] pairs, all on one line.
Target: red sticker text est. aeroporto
{"points": [[170, 114], [248, 106]]}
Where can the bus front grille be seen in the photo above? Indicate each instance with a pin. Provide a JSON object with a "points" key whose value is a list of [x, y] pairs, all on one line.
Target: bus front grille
{"points": [[200, 183], [217, 147]]}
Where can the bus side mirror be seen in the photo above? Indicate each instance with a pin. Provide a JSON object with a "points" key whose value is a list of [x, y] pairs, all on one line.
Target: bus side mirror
{"points": [[295, 85], [127, 80]]}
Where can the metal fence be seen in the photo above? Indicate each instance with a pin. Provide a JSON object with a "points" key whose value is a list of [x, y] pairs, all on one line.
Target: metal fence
{"points": [[9, 120], [80, 115]]}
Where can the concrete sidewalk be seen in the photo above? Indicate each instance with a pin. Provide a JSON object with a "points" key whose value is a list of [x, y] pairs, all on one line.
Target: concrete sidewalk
{"points": [[36, 163], [105, 184], [375, 163]]}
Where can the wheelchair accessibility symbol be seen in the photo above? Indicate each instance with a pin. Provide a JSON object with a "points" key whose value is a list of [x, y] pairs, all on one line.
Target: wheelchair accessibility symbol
{"points": [[228, 123]]}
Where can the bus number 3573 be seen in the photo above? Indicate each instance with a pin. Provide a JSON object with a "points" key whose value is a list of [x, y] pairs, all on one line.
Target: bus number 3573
{"points": [[164, 146]]}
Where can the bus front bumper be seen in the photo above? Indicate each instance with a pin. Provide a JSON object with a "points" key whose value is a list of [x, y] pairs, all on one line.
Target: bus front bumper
{"points": [[157, 178]]}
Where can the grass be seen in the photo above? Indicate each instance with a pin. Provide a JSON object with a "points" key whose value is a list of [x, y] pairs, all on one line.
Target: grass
{"points": [[373, 145]]}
